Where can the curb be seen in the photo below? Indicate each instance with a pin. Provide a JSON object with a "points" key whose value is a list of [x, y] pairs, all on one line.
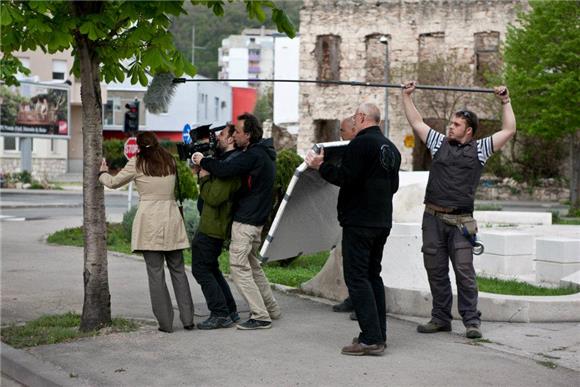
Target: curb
{"points": [[30, 371], [59, 192], [34, 205]]}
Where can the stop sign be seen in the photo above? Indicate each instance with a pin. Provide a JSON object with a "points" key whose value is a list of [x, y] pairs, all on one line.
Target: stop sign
{"points": [[130, 150]]}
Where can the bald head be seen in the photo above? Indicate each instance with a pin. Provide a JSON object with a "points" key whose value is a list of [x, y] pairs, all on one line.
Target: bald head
{"points": [[347, 131], [367, 114]]}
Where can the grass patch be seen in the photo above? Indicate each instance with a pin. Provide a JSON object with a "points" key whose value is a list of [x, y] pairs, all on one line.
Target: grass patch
{"points": [[299, 271], [488, 207], [519, 288], [55, 329], [116, 240], [547, 364]]}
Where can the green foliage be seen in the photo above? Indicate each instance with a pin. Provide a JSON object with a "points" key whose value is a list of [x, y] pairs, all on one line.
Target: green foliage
{"points": [[116, 240], [287, 161], [127, 38], [187, 184], [518, 288], [209, 34], [541, 58], [55, 329], [113, 152], [127, 222], [264, 107]]}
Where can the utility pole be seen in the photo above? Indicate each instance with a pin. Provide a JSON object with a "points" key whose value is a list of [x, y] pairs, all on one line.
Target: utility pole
{"points": [[385, 40]]}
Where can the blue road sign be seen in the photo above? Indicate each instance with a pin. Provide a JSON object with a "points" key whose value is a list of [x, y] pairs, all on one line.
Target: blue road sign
{"points": [[186, 137]]}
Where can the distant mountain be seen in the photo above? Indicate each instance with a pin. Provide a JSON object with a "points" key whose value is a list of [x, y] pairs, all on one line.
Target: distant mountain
{"points": [[209, 30]]}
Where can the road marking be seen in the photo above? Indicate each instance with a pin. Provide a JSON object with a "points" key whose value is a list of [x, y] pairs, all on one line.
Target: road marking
{"points": [[10, 218]]}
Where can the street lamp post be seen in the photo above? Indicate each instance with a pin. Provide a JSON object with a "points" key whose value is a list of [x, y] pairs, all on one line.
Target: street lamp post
{"points": [[385, 40]]}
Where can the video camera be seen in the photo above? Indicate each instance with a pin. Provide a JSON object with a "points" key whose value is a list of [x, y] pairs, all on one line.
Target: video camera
{"points": [[201, 139]]}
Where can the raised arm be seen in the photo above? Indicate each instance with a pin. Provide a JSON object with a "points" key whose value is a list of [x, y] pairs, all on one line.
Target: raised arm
{"points": [[124, 176], [420, 128], [508, 122]]}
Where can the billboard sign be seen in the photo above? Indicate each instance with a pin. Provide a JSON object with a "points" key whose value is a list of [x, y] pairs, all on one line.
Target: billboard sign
{"points": [[35, 110]]}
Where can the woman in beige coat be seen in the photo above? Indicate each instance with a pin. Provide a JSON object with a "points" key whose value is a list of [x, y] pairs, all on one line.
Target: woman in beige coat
{"points": [[158, 230]]}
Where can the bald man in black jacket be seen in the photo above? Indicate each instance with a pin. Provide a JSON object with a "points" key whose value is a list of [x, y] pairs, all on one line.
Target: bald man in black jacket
{"points": [[368, 176]]}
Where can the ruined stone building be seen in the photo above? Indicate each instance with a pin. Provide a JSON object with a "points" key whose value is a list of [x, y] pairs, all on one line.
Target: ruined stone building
{"points": [[437, 42]]}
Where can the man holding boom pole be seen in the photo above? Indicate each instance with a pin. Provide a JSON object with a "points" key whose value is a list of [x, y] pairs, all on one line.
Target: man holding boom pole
{"points": [[448, 224]]}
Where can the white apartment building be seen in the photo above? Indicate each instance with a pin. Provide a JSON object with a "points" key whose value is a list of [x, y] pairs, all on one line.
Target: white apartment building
{"points": [[247, 56]]}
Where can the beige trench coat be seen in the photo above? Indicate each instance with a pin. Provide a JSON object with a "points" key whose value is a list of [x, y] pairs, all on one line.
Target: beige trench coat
{"points": [[158, 225]]}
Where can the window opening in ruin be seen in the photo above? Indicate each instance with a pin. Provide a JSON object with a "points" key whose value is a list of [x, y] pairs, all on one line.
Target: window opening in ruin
{"points": [[326, 130], [327, 54], [376, 57], [487, 56]]}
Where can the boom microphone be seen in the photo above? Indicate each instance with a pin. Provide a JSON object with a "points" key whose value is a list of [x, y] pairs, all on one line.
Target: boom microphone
{"points": [[160, 92]]}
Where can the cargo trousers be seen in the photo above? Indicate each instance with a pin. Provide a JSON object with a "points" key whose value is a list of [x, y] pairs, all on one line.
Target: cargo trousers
{"points": [[443, 243]]}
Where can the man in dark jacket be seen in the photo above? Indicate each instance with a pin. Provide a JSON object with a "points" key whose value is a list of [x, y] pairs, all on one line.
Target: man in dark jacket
{"points": [[458, 160], [256, 166], [217, 196], [368, 176]]}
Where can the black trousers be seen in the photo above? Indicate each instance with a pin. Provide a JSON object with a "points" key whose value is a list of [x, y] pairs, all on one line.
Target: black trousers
{"points": [[362, 252], [441, 243], [205, 252]]}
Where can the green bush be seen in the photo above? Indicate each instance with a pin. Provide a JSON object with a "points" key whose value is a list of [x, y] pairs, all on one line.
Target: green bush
{"points": [[187, 182], [113, 152], [127, 222]]}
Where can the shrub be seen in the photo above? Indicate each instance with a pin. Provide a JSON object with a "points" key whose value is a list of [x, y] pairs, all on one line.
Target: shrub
{"points": [[113, 152], [187, 182]]}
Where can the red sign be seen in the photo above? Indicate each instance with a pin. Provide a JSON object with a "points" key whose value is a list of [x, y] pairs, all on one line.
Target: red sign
{"points": [[131, 149]]}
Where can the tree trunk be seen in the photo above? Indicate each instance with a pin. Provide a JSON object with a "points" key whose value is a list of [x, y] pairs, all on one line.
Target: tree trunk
{"points": [[97, 299], [575, 173]]}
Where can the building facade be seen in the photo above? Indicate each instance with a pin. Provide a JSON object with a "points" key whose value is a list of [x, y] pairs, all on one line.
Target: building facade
{"points": [[437, 42], [247, 56]]}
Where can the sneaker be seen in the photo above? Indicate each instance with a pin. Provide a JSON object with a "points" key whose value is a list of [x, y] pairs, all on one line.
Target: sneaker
{"points": [[343, 307], [215, 322], [164, 330], [235, 317], [252, 324], [433, 326], [353, 316], [362, 349], [473, 332]]}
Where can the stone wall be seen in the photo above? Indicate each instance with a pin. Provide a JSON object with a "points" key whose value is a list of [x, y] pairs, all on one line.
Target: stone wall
{"points": [[42, 168], [347, 32]]}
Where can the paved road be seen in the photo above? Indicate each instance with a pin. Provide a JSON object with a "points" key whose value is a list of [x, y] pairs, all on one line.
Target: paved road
{"points": [[301, 349]]}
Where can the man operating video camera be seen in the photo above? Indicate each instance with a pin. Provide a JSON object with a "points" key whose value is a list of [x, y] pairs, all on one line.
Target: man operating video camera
{"points": [[217, 196]]}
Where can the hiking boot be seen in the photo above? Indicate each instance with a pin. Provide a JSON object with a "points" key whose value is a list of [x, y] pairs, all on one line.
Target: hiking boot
{"points": [[254, 324], [353, 316], [362, 349], [343, 307], [235, 317], [433, 326], [473, 332], [215, 322]]}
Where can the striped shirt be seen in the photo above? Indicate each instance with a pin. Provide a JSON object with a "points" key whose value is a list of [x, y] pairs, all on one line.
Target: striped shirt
{"points": [[484, 145]]}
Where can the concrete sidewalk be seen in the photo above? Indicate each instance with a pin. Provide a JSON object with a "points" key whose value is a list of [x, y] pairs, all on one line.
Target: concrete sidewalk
{"points": [[303, 348]]}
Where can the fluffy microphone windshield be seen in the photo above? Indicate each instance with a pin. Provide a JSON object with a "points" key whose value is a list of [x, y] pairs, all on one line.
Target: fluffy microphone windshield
{"points": [[159, 94]]}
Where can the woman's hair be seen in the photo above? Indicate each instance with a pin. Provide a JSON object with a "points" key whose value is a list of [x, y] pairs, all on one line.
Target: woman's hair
{"points": [[152, 159]]}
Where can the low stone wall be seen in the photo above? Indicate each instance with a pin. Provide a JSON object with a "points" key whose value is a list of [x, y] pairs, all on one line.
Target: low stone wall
{"points": [[549, 190], [42, 168]]}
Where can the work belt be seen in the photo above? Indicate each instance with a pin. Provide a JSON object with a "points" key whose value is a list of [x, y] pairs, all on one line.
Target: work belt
{"points": [[464, 221]]}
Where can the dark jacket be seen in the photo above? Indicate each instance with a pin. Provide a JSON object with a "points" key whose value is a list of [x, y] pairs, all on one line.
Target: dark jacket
{"points": [[256, 165], [217, 196], [368, 176]]}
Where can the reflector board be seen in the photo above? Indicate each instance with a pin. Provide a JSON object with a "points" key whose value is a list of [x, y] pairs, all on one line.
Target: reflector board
{"points": [[306, 221]]}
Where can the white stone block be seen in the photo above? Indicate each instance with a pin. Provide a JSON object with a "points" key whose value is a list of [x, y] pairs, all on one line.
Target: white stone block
{"points": [[512, 217], [507, 242], [572, 280], [558, 249], [406, 229], [505, 265], [554, 271]]}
